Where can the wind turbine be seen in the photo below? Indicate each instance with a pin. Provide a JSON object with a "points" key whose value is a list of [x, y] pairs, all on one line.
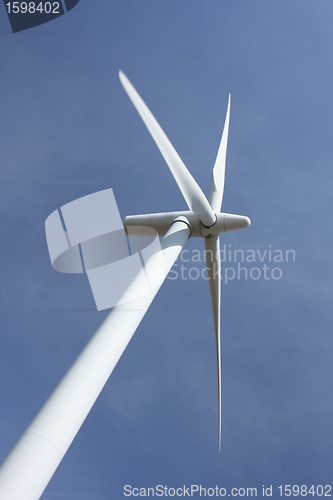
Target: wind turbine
{"points": [[29, 467]]}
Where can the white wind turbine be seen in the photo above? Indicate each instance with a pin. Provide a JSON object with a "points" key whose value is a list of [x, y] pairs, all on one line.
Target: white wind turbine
{"points": [[29, 467]]}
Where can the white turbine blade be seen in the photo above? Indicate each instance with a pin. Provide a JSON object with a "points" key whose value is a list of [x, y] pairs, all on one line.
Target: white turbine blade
{"points": [[217, 185], [194, 197], [213, 262], [29, 467]]}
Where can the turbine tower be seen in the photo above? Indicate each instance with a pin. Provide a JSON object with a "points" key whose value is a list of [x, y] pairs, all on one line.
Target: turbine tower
{"points": [[29, 467]]}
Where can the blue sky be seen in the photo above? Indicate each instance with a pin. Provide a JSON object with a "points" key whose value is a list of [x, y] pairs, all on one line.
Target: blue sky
{"points": [[68, 129]]}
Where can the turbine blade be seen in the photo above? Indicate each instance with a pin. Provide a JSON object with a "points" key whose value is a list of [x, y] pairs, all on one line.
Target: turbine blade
{"points": [[194, 197], [213, 262], [217, 185]]}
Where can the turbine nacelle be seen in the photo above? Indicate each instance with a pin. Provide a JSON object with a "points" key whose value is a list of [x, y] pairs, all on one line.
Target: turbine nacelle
{"points": [[162, 221]]}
